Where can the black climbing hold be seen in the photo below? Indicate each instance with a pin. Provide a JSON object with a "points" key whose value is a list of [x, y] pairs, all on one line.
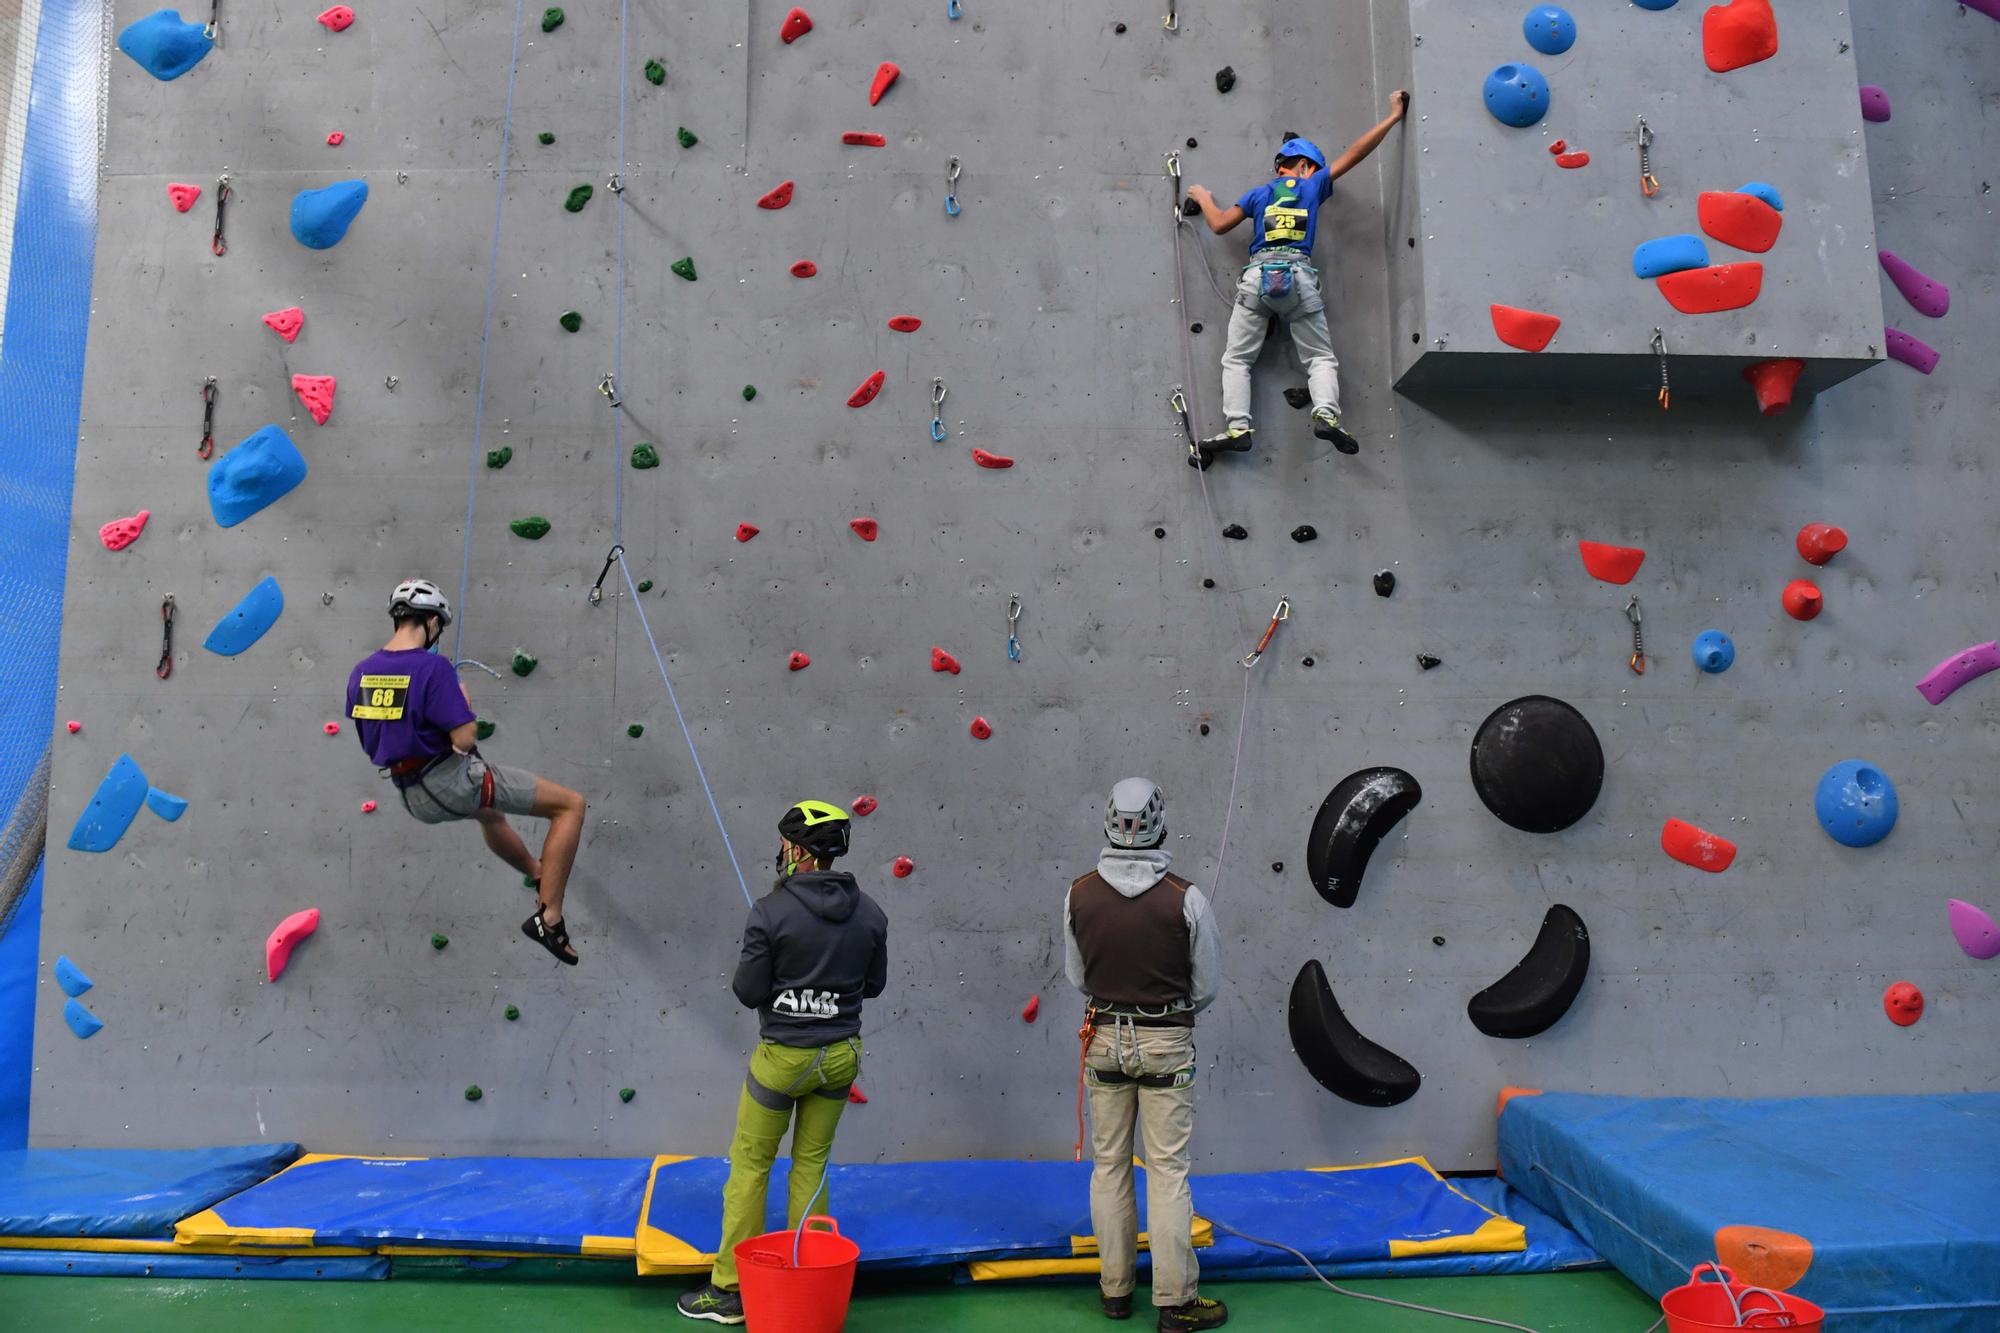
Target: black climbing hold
{"points": [[1536, 764], [534, 527], [1344, 1062], [546, 137], [578, 198], [1161, 533], [1225, 78], [501, 457], [1385, 583], [1429, 663], [644, 456], [1299, 397], [686, 136], [524, 663], [1194, 328], [439, 941], [1189, 208], [1305, 532], [656, 73], [1528, 1000], [1277, 867], [683, 268], [749, 392], [645, 585], [1207, 583], [1192, 143], [1356, 815], [472, 1092], [484, 729], [1306, 662], [512, 1013], [627, 1094], [636, 730], [1438, 940], [1118, 28], [1204, 728], [570, 320], [1236, 532]]}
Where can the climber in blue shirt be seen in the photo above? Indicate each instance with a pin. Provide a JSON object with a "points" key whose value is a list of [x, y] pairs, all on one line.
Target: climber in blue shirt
{"points": [[1280, 280]]}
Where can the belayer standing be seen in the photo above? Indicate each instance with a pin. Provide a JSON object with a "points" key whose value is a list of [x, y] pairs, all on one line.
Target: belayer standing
{"points": [[416, 722], [1141, 945], [814, 948], [1280, 280]]}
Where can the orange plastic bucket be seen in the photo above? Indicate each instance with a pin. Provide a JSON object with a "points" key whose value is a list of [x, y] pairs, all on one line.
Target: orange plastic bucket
{"points": [[808, 1297], [1726, 1304]]}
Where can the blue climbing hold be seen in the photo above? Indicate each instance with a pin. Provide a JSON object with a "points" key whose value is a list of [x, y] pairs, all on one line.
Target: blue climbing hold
{"points": [[165, 804], [1550, 29], [1856, 803], [1768, 193], [1714, 652], [257, 612], [71, 978], [81, 1021], [165, 45], [112, 810], [258, 472], [1668, 254], [321, 217], [1656, 4], [1517, 95]]}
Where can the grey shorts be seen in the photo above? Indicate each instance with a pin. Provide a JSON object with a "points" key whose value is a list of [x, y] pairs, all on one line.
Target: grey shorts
{"points": [[457, 789]]}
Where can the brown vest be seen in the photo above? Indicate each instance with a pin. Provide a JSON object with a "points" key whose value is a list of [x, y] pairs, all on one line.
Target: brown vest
{"points": [[1135, 950]]}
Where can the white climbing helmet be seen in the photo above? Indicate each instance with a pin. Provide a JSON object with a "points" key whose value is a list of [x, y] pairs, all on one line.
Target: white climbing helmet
{"points": [[421, 596], [1136, 815]]}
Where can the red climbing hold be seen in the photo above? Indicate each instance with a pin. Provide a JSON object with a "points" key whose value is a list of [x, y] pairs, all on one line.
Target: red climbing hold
{"points": [[278, 948], [864, 806], [998, 462], [863, 139], [944, 661], [1741, 220], [1032, 1009], [338, 18], [1739, 33], [1559, 146], [183, 196], [1696, 847], [1571, 161], [871, 386], [884, 76], [903, 868], [368, 807], [74, 727], [864, 528], [120, 533], [1821, 542], [797, 24], [1803, 600], [856, 1095], [777, 198], [805, 268], [1529, 330], [905, 323], [745, 531], [798, 661], [336, 139], [286, 323], [1704, 291], [316, 392], [1774, 382], [331, 728], [1613, 564], [981, 729], [1903, 1003]]}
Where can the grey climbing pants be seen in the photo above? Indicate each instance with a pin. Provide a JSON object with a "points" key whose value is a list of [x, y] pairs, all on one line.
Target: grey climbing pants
{"points": [[1304, 313], [456, 789], [1165, 1115]]}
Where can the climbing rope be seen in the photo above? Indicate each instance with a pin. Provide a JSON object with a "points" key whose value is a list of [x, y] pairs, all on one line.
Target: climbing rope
{"points": [[206, 449], [216, 244], [166, 666], [951, 174], [938, 431], [1638, 659], [1648, 184], [1665, 395]]}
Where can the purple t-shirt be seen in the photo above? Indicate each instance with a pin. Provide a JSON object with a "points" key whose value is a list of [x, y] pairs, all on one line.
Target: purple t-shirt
{"points": [[405, 704]]}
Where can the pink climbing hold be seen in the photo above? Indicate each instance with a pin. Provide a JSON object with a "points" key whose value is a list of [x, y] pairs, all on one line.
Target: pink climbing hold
{"points": [[368, 807], [331, 728], [863, 139], [286, 323], [1912, 351], [1903, 1003], [1571, 161], [74, 727], [944, 661], [871, 386], [1696, 847], [1961, 668], [1802, 599], [864, 528], [1706, 291], [903, 867], [998, 462], [798, 661], [1032, 1009], [1820, 542], [183, 196], [864, 806], [777, 197], [1739, 33], [1529, 330], [797, 24], [856, 1095], [805, 268], [1976, 932], [905, 323], [1774, 382], [1874, 103], [336, 139], [886, 74], [1738, 219], [1928, 295], [316, 392], [120, 533], [982, 730], [278, 948], [338, 18], [1613, 564]]}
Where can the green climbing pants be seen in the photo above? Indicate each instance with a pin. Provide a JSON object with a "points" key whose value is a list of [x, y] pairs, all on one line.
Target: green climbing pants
{"points": [[784, 1082]]}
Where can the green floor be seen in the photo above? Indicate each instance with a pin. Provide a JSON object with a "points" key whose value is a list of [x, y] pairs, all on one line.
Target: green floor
{"points": [[556, 1296]]}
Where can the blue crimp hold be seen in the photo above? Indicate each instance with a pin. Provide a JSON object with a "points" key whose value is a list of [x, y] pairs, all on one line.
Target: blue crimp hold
{"points": [[112, 810], [165, 45], [1669, 254], [258, 472], [256, 613], [81, 1021], [71, 978], [1768, 193], [320, 218], [165, 804]]}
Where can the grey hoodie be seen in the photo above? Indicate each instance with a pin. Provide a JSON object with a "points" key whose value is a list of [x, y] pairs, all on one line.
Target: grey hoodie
{"points": [[814, 948], [1132, 872]]}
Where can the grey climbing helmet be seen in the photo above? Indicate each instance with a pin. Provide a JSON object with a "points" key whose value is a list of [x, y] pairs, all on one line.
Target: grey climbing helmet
{"points": [[422, 597], [1136, 815]]}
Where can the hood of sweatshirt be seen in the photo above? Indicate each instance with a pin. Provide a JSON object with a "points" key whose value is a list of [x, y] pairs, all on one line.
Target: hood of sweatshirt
{"points": [[830, 895], [1133, 870]]}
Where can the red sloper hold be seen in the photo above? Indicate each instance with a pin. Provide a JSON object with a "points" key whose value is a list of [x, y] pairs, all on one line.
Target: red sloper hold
{"points": [[1559, 147], [944, 661], [798, 662], [884, 76], [1571, 161], [1803, 600], [338, 18], [871, 386], [1821, 542], [905, 323], [1741, 220], [745, 531], [1696, 847], [797, 24], [1704, 291], [805, 268], [1613, 564], [1774, 382], [863, 139], [864, 528], [981, 729], [864, 806], [1529, 330], [777, 198], [316, 392], [286, 323], [183, 196], [903, 867], [998, 462], [120, 533], [1740, 33], [1032, 1009]]}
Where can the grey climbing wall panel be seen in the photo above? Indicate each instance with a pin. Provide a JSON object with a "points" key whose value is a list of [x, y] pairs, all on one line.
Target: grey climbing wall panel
{"points": [[1048, 312]]}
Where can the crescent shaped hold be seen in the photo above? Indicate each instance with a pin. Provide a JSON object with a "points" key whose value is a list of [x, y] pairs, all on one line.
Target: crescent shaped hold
{"points": [[1344, 1062], [1529, 1000], [1356, 815], [1967, 664]]}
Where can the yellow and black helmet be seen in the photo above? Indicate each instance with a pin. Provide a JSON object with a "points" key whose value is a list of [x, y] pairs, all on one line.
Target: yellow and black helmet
{"points": [[820, 828]]}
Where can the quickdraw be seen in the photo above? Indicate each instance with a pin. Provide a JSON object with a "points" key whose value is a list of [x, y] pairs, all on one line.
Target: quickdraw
{"points": [[951, 174], [1665, 396], [597, 588], [938, 431], [1278, 617], [1174, 174], [216, 244], [166, 666], [1172, 22], [608, 386], [616, 184], [214, 20], [206, 449], [1085, 1035], [953, 10], [1638, 659], [1013, 619], [1649, 185]]}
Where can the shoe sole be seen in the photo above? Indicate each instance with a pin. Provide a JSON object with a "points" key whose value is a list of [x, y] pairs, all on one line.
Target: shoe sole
{"points": [[1339, 439], [708, 1318]]}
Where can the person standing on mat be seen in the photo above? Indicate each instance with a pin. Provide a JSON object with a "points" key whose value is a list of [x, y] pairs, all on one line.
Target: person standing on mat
{"points": [[814, 948], [1280, 281], [415, 721], [1141, 944]]}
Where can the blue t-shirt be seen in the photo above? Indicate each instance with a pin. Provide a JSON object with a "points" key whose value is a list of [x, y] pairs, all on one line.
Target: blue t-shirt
{"points": [[1286, 211], [405, 704]]}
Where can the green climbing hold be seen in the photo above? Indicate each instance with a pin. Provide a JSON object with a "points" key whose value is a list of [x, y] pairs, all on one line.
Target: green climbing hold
{"points": [[528, 883], [501, 457], [552, 18], [684, 268], [627, 1094], [687, 138], [636, 730], [525, 662], [645, 456], [546, 137], [484, 729], [570, 320], [472, 1092], [439, 941], [512, 1013], [656, 73], [578, 198], [645, 585], [749, 393], [534, 527]]}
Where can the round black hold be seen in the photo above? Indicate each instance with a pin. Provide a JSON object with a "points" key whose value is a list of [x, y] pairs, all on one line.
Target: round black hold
{"points": [[1236, 532], [1189, 208], [1118, 28], [1192, 143], [1385, 583], [1305, 532], [1354, 818], [1299, 397], [1160, 533], [1537, 765], [1277, 867], [1438, 940], [1225, 78], [1194, 328], [1344, 1062], [1208, 583], [1204, 728], [1306, 662], [1428, 662]]}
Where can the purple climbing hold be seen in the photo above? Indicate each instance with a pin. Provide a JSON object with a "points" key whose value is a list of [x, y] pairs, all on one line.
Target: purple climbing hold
{"points": [[1928, 295], [1912, 351], [1975, 931], [1874, 103], [1990, 8], [1968, 664]]}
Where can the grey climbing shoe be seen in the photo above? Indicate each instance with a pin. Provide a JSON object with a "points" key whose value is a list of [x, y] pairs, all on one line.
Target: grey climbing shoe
{"points": [[712, 1303], [1327, 427]]}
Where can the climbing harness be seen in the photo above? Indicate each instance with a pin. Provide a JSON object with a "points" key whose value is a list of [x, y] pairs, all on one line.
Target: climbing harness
{"points": [[1278, 617], [216, 244], [1638, 659], [1013, 619], [953, 10], [937, 409], [166, 666], [608, 386], [597, 588], [1172, 22], [1665, 395], [1649, 185], [951, 174], [206, 449]]}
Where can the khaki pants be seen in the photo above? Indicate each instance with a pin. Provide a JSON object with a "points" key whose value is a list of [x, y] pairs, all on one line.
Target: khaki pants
{"points": [[1166, 1118]]}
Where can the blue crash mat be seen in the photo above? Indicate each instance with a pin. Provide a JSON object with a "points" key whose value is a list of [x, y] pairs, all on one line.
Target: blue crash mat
{"points": [[90, 1263], [484, 1205], [108, 1193], [1891, 1205]]}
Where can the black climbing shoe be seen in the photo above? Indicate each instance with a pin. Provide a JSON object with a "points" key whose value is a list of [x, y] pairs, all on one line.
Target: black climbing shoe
{"points": [[1116, 1307], [1200, 457], [1231, 439], [1198, 1313], [1327, 427], [553, 938], [711, 1303]]}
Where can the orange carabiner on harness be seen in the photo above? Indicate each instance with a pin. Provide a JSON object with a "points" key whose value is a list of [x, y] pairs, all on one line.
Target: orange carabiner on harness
{"points": [[1084, 1035]]}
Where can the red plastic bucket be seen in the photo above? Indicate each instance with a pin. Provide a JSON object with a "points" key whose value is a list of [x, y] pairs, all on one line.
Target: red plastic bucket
{"points": [[811, 1297], [1705, 1307]]}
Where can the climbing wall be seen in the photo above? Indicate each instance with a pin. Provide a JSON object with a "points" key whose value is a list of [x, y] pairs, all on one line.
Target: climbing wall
{"points": [[1048, 312]]}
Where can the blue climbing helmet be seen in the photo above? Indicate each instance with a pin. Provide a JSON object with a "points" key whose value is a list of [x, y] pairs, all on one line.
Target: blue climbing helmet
{"points": [[1304, 148]]}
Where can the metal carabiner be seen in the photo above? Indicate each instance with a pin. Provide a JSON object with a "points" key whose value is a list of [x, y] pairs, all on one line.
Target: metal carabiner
{"points": [[938, 432], [1649, 185], [951, 174], [217, 246], [214, 20], [608, 386], [597, 589], [1172, 22], [1278, 617], [952, 10], [616, 184], [1173, 164], [1013, 619], [1638, 658]]}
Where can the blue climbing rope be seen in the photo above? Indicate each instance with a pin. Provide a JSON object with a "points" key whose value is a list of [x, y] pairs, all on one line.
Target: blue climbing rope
{"points": [[486, 335]]}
